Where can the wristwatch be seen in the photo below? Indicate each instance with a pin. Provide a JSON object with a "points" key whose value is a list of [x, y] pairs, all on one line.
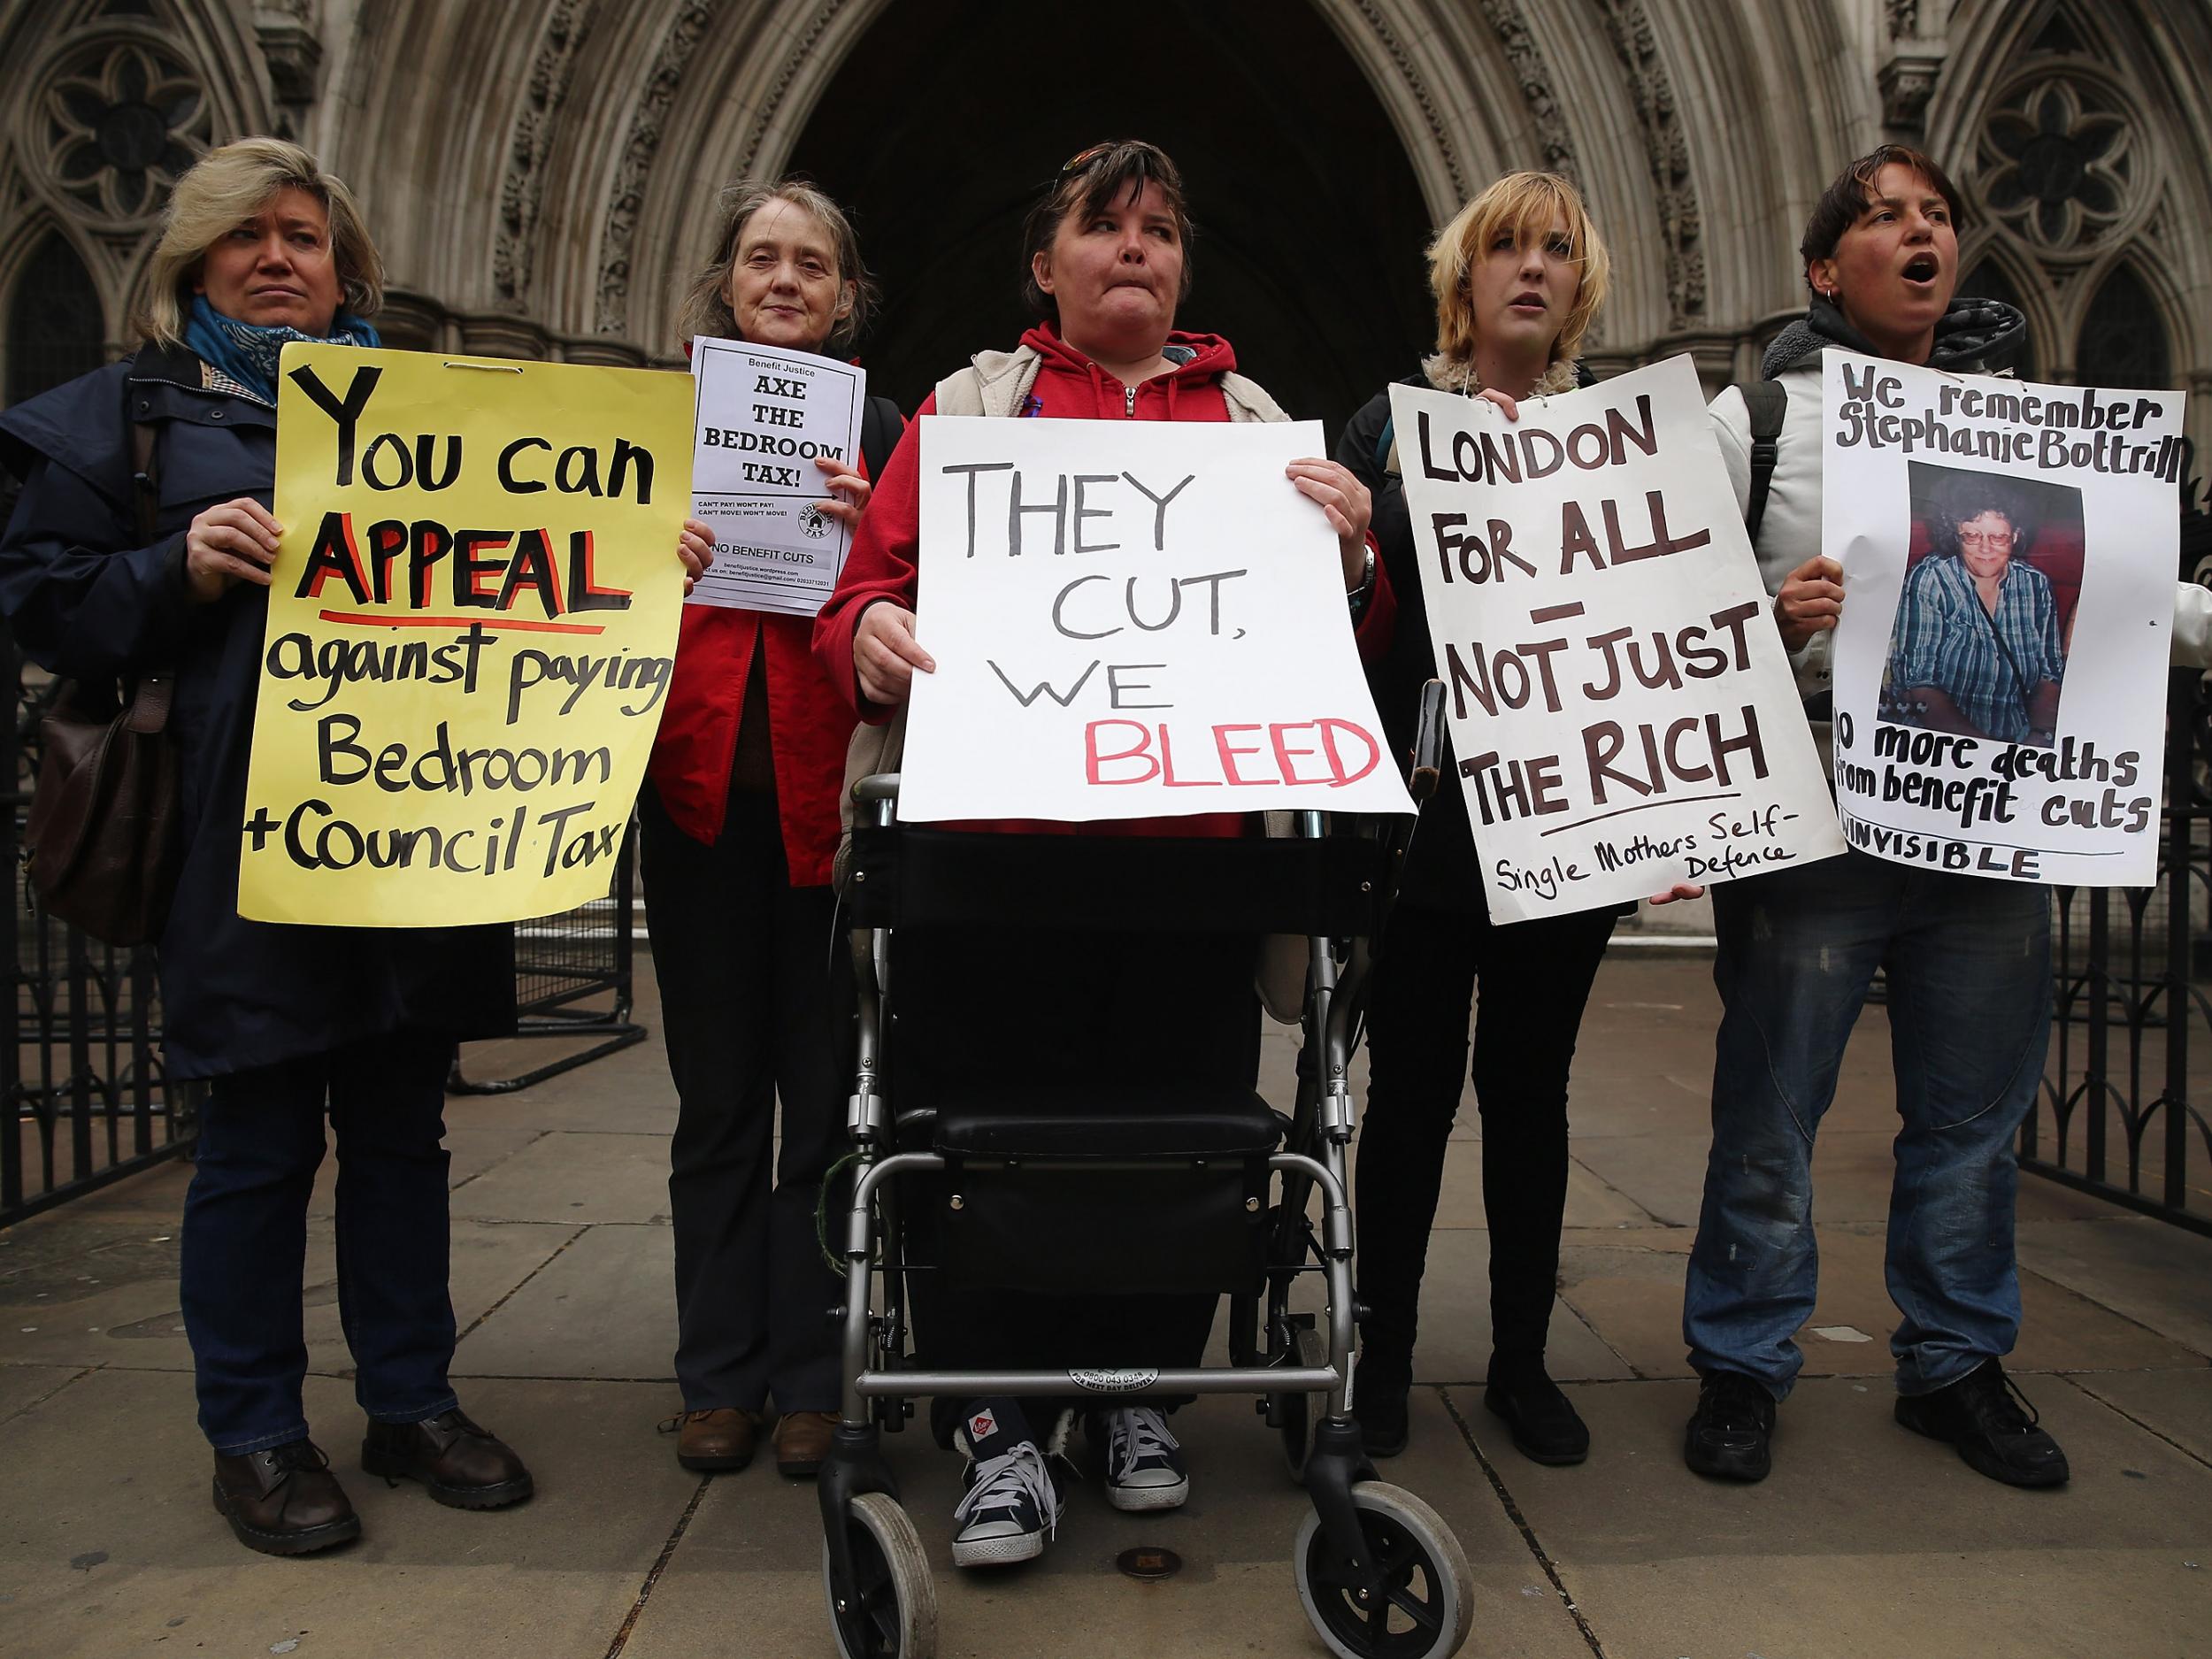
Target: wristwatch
{"points": [[1358, 597]]}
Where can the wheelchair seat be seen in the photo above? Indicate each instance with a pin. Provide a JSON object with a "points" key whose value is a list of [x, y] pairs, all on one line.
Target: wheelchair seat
{"points": [[1087, 1123]]}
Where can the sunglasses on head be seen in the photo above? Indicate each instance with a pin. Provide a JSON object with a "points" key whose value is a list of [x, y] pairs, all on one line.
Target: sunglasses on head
{"points": [[1082, 159]]}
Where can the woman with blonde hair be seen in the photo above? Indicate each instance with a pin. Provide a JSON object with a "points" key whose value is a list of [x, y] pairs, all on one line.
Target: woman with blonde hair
{"points": [[1518, 274], [142, 543]]}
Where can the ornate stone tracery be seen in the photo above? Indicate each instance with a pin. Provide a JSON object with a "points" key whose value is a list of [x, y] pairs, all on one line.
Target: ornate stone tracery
{"points": [[2056, 162], [117, 120], [2066, 122], [1681, 221], [1534, 74], [638, 149], [524, 186]]}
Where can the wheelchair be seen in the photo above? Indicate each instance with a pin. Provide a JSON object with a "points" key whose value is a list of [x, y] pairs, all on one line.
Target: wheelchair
{"points": [[1193, 1190]]}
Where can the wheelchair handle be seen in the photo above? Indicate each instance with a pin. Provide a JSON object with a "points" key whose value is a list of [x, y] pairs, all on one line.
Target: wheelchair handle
{"points": [[884, 786]]}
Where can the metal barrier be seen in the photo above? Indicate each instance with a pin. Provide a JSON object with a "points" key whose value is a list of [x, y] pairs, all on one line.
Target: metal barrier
{"points": [[87, 1101], [563, 960], [2119, 1113]]}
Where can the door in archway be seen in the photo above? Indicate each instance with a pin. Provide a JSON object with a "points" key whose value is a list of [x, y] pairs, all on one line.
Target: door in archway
{"points": [[944, 121]]}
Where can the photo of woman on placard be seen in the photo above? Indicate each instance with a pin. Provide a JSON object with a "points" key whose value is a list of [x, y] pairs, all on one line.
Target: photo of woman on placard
{"points": [[1978, 646]]}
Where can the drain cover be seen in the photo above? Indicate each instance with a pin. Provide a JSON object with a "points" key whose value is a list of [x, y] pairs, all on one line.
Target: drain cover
{"points": [[1149, 1561]]}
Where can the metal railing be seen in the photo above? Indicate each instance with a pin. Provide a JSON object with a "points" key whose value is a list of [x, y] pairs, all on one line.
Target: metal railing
{"points": [[86, 1099], [562, 961], [2120, 1114]]}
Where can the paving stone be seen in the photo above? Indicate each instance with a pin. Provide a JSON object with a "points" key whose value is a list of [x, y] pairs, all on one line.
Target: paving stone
{"points": [[756, 1542], [138, 1324], [22, 1386], [2176, 1404], [109, 1542], [1591, 1202], [1867, 1539], [1454, 1344], [603, 1307], [563, 1176], [2146, 1269]]}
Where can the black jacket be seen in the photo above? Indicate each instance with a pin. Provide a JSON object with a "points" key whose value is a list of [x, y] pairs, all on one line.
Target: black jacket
{"points": [[1440, 871], [83, 601]]}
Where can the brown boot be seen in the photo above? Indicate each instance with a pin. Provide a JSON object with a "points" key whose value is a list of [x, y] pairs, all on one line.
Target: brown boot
{"points": [[717, 1441], [463, 1466], [284, 1501], [803, 1442]]}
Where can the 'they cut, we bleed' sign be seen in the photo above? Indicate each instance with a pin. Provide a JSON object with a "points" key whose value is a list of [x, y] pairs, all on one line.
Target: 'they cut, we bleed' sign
{"points": [[1132, 620]]}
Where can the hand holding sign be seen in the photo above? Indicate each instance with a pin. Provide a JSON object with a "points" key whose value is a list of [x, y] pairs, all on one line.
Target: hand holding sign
{"points": [[1810, 600], [232, 543], [886, 653]]}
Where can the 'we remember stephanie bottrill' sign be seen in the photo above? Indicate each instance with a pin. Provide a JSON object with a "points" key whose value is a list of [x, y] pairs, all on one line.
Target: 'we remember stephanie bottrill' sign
{"points": [[1622, 713], [471, 626], [1132, 620]]}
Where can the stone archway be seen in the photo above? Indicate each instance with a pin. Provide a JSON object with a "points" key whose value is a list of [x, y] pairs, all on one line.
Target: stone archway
{"points": [[938, 130]]}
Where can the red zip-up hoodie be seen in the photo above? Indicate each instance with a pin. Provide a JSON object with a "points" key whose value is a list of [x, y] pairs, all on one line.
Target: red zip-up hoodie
{"points": [[1069, 386]]}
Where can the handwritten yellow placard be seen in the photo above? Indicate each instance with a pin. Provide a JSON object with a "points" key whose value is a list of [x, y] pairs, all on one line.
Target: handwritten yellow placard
{"points": [[471, 626]]}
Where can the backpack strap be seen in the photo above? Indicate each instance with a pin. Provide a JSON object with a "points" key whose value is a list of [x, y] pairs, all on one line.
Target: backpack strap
{"points": [[1769, 405], [879, 425], [996, 383], [1247, 401]]}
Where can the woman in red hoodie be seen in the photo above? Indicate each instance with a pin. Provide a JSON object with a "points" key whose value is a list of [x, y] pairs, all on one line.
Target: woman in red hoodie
{"points": [[1107, 266], [737, 829]]}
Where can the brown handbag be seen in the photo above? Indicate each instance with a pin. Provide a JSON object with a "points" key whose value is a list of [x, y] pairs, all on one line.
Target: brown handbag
{"points": [[103, 838]]}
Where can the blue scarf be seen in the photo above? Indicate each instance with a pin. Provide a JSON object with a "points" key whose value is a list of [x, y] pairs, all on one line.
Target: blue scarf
{"points": [[247, 353]]}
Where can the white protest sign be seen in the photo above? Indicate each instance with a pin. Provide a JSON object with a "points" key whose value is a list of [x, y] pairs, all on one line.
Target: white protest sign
{"points": [[1132, 620], [2008, 553], [763, 415], [1622, 713]]}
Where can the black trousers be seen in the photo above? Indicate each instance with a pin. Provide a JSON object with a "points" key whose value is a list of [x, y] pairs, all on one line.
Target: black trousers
{"points": [[1002, 1009], [756, 999], [1535, 977]]}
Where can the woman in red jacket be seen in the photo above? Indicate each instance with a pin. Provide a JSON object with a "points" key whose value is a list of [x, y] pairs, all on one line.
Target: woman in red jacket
{"points": [[1106, 242], [737, 829]]}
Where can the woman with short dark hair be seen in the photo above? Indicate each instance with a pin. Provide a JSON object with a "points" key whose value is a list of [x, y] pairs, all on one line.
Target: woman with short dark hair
{"points": [[1967, 959], [1106, 242]]}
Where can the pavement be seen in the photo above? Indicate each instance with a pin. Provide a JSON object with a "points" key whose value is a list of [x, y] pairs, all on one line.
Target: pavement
{"points": [[1865, 1540]]}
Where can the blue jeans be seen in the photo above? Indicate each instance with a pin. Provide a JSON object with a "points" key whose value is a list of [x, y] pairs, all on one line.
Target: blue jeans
{"points": [[245, 1237], [1968, 960]]}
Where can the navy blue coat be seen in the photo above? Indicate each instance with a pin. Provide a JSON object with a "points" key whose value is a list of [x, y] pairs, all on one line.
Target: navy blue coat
{"points": [[84, 600]]}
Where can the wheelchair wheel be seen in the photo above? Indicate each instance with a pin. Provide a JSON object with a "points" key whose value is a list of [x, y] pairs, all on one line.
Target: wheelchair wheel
{"points": [[890, 1612], [1427, 1604]]}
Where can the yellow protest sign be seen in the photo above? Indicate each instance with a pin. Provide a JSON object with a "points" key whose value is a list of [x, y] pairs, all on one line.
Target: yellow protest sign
{"points": [[471, 626]]}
